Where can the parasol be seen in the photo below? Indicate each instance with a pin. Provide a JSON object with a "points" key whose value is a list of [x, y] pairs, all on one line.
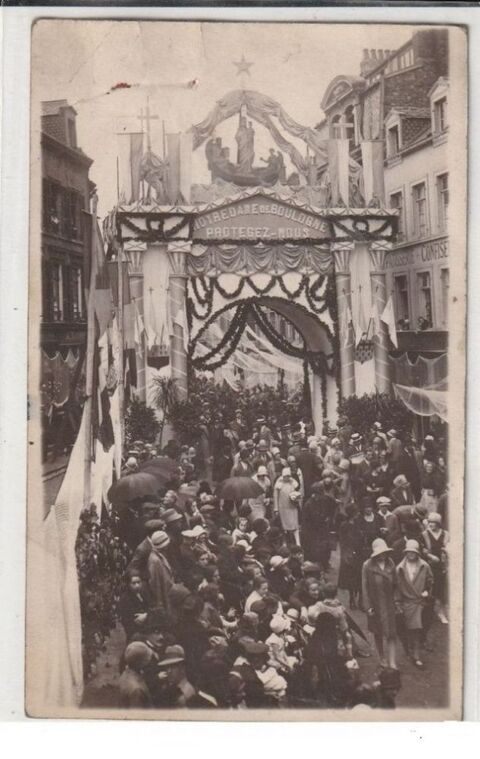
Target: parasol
{"points": [[133, 486], [238, 488]]}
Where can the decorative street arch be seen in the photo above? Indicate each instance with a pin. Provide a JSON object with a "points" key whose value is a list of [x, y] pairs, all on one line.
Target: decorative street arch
{"points": [[251, 247]]}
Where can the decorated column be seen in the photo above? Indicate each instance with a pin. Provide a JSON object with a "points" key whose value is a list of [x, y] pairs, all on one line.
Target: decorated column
{"points": [[341, 253], [377, 251], [177, 254], [135, 271]]}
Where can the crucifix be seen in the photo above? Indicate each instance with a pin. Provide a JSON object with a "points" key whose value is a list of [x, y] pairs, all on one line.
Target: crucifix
{"points": [[147, 117], [340, 128]]}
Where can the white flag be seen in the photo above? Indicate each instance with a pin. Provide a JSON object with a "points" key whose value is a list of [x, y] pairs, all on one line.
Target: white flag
{"points": [[374, 324], [388, 318], [348, 322], [139, 327]]}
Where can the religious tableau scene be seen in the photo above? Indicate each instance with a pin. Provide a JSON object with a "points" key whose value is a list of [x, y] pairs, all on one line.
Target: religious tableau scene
{"points": [[244, 374]]}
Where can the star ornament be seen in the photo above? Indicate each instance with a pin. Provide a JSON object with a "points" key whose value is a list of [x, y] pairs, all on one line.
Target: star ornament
{"points": [[243, 66]]}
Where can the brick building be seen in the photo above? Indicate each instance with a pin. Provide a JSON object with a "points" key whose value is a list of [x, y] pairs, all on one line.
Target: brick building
{"points": [[400, 99], [66, 190]]}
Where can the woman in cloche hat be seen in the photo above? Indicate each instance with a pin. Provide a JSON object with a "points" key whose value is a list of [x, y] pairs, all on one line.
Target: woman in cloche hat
{"points": [[378, 585], [414, 587]]}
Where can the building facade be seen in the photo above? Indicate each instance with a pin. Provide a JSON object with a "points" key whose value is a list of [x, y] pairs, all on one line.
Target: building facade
{"points": [[66, 190], [400, 101]]}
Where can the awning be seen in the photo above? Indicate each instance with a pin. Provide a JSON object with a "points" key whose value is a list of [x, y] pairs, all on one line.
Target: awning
{"points": [[424, 401]]}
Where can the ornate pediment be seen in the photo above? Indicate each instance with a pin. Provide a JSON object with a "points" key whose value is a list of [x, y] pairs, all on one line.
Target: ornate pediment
{"points": [[338, 88]]}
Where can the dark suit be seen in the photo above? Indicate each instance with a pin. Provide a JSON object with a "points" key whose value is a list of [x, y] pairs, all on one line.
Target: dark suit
{"points": [[131, 604]]}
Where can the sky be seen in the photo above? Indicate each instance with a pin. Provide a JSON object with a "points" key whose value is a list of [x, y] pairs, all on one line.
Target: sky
{"points": [[81, 60]]}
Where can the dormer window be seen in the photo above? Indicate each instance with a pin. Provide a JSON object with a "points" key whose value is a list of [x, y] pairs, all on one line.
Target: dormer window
{"points": [[393, 140], [72, 133], [440, 115], [439, 110]]}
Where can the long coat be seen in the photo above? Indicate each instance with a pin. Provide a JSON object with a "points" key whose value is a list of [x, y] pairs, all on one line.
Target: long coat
{"points": [[317, 521], [350, 539], [287, 509], [409, 592], [160, 579], [378, 586]]}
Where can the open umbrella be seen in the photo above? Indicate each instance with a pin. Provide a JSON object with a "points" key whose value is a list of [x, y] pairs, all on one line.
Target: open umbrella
{"points": [[133, 486], [163, 469], [238, 488]]}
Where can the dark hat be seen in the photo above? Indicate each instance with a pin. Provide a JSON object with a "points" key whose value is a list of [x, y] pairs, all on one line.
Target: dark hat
{"points": [[171, 515], [137, 655], [173, 655], [390, 678], [253, 648], [311, 568], [152, 525], [207, 508]]}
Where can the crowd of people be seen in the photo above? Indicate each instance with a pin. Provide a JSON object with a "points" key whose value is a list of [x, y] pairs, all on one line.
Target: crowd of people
{"points": [[234, 602]]}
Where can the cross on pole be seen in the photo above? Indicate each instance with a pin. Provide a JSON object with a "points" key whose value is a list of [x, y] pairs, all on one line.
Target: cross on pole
{"points": [[147, 117], [340, 128]]}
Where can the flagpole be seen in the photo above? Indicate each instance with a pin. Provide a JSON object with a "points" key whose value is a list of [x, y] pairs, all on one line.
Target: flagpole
{"points": [[89, 366], [121, 370]]}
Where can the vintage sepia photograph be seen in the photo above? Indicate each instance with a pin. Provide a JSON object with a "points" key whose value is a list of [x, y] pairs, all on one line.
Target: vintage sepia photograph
{"points": [[246, 370]]}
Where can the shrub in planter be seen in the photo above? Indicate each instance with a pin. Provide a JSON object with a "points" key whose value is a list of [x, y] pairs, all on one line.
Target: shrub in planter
{"points": [[140, 423], [378, 407]]}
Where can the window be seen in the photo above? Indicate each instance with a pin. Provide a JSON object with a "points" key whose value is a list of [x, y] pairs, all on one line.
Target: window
{"points": [[393, 141], [445, 284], [420, 209], [396, 201], [424, 291], [76, 293], [442, 201], [55, 308], [402, 302], [440, 115], [52, 207]]}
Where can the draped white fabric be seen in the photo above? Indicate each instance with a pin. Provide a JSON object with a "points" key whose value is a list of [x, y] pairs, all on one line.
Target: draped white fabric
{"points": [[424, 401]]}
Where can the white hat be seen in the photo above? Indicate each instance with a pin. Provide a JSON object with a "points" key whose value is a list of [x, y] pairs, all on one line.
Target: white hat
{"points": [[196, 531], [378, 547], [412, 546], [131, 462], [286, 472], [313, 444], [384, 501], [262, 471], [335, 441], [277, 561], [244, 545], [279, 624], [434, 517], [400, 480], [160, 539], [344, 464], [275, 450]]}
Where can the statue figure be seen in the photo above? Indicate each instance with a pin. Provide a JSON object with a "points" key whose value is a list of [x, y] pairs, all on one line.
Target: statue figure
{"points": [[244, 138], [282, 173], [153, 171], [271, 160]]}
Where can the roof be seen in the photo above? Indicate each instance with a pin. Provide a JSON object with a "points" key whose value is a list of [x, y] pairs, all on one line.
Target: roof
{"points": [[52, 107], [411, 112]]}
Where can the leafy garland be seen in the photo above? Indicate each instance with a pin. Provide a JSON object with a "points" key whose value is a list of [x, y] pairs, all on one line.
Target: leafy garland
{"points": [[317, 304]]}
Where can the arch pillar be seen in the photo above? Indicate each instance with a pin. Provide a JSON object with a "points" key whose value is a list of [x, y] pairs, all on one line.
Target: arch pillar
{"points": [[377, 253], [177, 288], [341, 253]]}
